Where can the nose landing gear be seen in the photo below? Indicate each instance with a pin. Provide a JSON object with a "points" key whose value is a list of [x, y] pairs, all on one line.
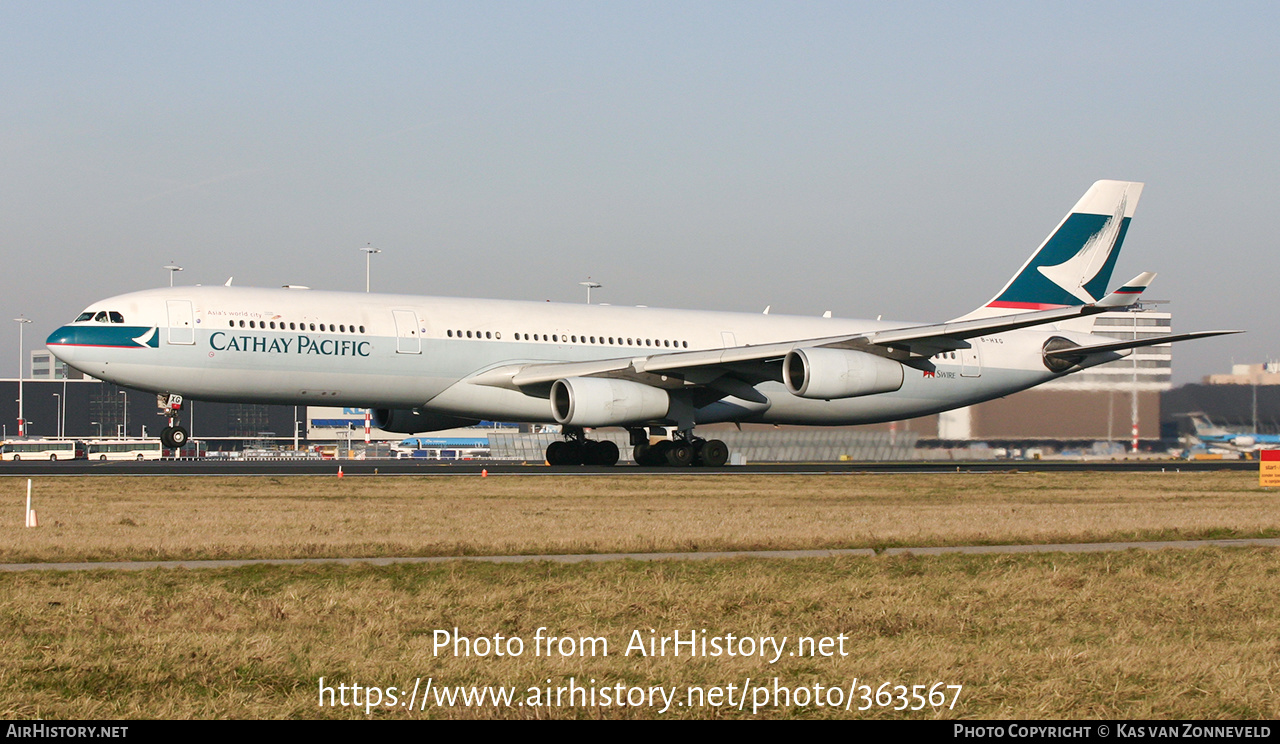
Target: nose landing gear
{"points": [[172, 436]]}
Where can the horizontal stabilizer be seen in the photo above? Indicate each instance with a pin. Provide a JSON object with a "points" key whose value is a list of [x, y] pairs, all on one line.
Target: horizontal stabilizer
{"points": [[1129, 293], [1076, 352]]}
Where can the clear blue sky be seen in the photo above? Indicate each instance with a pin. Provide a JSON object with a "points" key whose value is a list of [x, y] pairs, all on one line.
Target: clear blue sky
{"points": [[892, 158]]}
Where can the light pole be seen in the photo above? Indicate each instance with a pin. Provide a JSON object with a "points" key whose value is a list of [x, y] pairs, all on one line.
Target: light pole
{"points": [[99, 425], [58, 428], [590, 285], [1134, 408], [22, 424], [125, 393], [172, 269], [368, 251]]}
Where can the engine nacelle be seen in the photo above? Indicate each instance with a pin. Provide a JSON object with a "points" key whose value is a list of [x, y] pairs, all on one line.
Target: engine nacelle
{"points": [[601, 401], [413, 421], [1244, 441], [826, 374]]}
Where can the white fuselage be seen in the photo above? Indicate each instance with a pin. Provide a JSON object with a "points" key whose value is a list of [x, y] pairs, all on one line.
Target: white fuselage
{"points": [[294, 346]]}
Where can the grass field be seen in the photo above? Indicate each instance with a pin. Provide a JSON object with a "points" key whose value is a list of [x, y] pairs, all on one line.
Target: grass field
{"points": [[1169, 634], [189, 518]]}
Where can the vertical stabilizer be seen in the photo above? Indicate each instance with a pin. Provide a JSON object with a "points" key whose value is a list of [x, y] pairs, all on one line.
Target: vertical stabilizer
{"points": [[1073, 265]]}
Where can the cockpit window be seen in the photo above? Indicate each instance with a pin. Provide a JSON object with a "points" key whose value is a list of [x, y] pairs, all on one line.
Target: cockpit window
{"points": [[101, 317], [116, 317], [83, 317]]}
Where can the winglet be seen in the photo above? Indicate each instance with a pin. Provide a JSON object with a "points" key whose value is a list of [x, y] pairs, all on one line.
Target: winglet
{"points": [[1129, 293]]}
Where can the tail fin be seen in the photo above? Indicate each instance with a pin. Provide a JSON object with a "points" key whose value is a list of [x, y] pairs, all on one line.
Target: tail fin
{"points": [[1073, 265], [1204, 427]]}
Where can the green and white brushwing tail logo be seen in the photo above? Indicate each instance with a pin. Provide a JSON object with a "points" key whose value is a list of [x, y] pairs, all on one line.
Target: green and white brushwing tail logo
{"points": [[1073, 274]]}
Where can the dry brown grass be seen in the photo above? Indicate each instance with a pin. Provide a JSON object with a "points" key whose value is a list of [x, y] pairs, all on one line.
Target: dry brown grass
{"points": [[167, 518], [1172, 634]]}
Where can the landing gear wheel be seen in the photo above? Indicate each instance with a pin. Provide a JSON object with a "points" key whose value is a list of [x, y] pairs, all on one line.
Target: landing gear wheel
{"points": [[606, 453], [642, 453], [173, 437], [582, 452], [680, 454], [573, 453], [714, 453]]}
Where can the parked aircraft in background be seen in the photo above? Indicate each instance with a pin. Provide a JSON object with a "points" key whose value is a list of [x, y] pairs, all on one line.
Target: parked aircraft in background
{"points": [[1214, 437], [430, 363]]}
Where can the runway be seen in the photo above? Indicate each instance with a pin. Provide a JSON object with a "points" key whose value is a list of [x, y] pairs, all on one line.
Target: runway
{"points": [[605, 557], [506, 467]]}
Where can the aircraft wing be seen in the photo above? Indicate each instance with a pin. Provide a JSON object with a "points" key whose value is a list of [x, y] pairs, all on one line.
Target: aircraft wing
{"points": [[737, 368]]}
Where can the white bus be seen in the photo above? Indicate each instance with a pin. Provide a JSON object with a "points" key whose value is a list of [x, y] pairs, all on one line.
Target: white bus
{"points": [[42, 449], [124, 449]]}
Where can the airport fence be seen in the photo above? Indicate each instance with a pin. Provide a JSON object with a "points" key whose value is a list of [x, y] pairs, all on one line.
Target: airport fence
{"points": [[750, 446]]}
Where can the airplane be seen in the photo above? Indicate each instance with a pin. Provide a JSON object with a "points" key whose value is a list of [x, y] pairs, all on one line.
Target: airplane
{"points": [[431, 363], [1214, 437]]}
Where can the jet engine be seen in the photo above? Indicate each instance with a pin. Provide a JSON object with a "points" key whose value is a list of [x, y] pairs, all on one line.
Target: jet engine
{"points": [[601, 401], [825, 374], [413, 420]]}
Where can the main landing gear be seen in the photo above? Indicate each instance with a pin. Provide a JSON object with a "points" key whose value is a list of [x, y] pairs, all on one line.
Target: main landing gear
{"points": [[576, 449], [684, 451], [172, 436]]}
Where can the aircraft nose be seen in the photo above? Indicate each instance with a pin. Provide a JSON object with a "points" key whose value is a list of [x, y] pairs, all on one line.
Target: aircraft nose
{"points": [[60, 336], [62, 343]]}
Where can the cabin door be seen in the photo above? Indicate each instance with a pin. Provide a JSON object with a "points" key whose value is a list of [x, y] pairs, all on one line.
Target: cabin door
{"points": [[408, 340]]}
